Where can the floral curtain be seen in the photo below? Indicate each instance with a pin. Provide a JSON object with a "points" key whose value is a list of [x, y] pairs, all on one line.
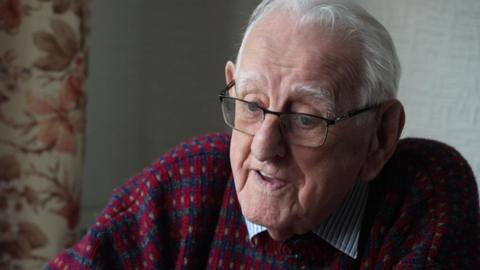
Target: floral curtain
{"points": [[42, 101]]}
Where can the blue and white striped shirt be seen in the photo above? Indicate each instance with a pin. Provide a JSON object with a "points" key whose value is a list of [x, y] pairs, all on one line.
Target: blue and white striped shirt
{"points": [[342, 228]]}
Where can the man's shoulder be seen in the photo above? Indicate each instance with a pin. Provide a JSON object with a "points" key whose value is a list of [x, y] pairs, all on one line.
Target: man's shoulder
{"points": [[424, 172], [428, 165], [212, 144], [171, 199], [200, 162], [425, 201]]}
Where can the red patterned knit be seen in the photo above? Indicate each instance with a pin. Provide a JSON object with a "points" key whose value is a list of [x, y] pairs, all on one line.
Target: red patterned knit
{"points": [[182, 213]]}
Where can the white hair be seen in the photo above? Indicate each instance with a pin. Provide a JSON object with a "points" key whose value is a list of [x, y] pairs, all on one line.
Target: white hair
{"points": [[380, 67]]}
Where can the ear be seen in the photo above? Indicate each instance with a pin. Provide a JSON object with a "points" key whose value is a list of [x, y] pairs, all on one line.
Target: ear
{"points": [[229, 71], [389, 123]]}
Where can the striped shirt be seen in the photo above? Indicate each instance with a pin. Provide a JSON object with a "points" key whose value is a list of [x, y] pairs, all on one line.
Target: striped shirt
{"points": [[342, 228]]}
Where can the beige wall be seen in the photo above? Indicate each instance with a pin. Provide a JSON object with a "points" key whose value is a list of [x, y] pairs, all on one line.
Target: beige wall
{"points": [[438, 43]]}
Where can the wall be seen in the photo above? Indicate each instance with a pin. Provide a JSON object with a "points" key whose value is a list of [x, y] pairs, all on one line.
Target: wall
{"points": [[438, 43], [113, 139], [185, 47]]}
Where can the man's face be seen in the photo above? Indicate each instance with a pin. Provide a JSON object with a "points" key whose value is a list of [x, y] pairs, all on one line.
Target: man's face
{"points": [[291, 189]]}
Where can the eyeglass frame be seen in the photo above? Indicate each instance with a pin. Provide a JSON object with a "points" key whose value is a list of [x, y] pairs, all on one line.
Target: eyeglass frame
{"points": [[329, 121]]}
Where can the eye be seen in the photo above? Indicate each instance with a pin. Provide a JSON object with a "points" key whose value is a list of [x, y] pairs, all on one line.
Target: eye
{"points": [[250, 111], [305, 121], [252, 107]]}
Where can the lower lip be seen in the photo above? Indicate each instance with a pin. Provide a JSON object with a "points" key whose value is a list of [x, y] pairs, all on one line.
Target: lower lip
{"points": [[272, 184]]}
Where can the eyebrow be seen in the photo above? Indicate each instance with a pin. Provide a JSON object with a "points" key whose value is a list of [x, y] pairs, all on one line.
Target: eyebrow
{"points": [[319, 94], [246, 77]]}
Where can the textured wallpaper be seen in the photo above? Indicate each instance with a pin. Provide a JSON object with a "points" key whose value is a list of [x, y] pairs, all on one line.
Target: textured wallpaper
{"points": [[438, 43]]}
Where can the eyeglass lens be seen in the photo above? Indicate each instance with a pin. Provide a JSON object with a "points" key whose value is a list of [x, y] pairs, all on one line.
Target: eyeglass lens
{"points": [[297, 129]]}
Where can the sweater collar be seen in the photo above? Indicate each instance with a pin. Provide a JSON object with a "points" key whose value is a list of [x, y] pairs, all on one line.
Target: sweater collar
{"points": [[342, 228]]}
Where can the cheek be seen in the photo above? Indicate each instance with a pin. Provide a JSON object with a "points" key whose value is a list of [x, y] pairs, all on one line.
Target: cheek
{"points": [[317, 187], [328, 176], [239, 152]]}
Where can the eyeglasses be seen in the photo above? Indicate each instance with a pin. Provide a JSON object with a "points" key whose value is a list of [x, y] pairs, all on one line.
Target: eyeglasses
{"points": [[297, 128]]}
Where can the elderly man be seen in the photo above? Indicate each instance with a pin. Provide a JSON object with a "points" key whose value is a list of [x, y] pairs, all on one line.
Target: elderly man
{"points": [[311, 101]]}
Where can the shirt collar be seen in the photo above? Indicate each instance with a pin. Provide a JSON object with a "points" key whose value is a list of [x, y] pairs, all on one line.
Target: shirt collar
{"points": [[342, 228]]}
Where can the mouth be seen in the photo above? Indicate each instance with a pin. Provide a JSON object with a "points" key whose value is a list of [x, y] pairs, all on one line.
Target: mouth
{"points": [[268, 181]]}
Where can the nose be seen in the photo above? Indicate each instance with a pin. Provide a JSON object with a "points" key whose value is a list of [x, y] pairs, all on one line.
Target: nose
{"points": [[268, 142]]}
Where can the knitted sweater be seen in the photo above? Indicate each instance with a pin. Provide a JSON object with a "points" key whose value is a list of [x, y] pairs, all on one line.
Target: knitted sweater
{"points": [[183, 213]]}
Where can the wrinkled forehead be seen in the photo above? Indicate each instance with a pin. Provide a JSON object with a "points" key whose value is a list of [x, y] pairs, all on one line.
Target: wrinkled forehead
{"points": [[318, 58]]}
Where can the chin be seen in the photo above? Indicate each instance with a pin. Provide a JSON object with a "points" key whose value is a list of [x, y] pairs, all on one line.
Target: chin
{"points": [[284, 233], [260, 216], [280, 235], [272, 218]]}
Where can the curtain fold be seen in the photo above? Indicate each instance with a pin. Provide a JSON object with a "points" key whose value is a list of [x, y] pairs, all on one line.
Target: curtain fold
{"points": [[43, 57]]}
